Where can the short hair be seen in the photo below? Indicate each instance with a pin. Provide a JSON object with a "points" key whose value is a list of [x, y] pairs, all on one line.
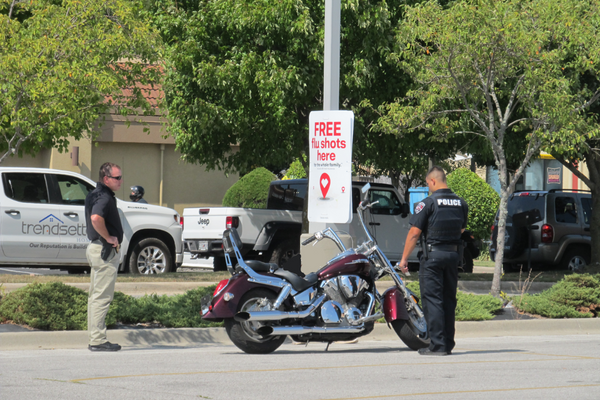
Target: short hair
{"points": [[106, 168], [438, 173]]}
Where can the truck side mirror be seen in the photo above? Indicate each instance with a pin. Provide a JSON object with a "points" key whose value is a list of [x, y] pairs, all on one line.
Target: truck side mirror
{"points": [[405, 210]]}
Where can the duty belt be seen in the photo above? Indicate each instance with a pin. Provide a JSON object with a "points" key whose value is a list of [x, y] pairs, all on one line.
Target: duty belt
{"points": [[442, 247]]}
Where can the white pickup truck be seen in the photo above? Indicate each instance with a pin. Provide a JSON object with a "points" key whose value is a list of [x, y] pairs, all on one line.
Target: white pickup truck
{"points": [[43, 224], [273, 234]]}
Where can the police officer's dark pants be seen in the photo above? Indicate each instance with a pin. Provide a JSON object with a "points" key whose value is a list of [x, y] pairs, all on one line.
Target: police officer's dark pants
{"points": [[438, 279]]}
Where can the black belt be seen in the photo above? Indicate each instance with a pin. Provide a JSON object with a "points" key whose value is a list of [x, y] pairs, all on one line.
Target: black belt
{"points": [[442, 247]]}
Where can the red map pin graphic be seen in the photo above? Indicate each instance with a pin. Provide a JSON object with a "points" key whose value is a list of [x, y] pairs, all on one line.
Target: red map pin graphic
{"points": [[324, 182]]}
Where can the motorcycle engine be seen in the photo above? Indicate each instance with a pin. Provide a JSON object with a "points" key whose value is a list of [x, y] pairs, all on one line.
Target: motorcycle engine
{"points": [[345, 293]]}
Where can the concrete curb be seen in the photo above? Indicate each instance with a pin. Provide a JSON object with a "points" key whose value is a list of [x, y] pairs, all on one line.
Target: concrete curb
{"points": [[193, 337]]}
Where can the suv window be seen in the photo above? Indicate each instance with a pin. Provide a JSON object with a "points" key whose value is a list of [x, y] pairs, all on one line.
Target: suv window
{"points": [[287, 197], [586, 205], [25, 187], [566, 210], [521, 202], [388, 202], [73, 190]]}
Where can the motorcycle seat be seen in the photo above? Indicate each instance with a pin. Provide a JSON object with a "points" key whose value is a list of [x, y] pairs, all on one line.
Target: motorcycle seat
{"points": [[298, 283], [259, 266]]}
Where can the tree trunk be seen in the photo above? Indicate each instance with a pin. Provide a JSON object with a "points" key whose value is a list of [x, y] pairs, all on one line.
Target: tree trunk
{"points": [[593, 163], [495, 291]]}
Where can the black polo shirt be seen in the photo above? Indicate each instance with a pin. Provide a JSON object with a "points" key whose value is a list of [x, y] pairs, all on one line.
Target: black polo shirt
{"points": [[101, 201], [441, 217]]}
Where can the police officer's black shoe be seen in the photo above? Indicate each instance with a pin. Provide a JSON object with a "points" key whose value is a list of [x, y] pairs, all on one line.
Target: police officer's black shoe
{"points": [[427, 352], [107, 346]]}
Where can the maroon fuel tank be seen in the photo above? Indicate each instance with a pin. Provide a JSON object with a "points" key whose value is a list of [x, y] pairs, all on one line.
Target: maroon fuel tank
{"points": [[351, 264], [238, 285]]}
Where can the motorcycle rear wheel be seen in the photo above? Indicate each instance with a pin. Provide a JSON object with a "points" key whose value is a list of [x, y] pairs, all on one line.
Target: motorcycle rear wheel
{"points": [[413, 332], [243, 334]]}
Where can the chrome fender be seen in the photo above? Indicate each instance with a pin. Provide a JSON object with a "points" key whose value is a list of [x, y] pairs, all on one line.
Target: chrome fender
{"points": [[393, 305]]}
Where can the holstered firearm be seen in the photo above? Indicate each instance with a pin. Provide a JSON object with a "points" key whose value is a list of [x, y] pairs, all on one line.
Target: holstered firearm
{"points": [[424, 246]]}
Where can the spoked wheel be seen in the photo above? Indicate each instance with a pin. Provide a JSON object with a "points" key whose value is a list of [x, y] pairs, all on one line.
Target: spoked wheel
{"points": [[413, 332], [244, 334]]}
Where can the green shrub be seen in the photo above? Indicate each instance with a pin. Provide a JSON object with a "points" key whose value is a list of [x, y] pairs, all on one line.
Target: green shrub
{"points": [[49, 306], [251, 191], [575, 296], [483, 201], [469, 307], [296, 170], [56, 306]]}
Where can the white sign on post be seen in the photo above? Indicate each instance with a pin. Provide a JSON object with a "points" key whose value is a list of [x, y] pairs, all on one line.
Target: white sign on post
{"points": [[330, 172]]}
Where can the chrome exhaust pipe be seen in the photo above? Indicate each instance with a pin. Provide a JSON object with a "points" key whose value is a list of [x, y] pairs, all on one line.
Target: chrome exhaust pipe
{"points": [[374, 317], [303, 330], [276, 315]]}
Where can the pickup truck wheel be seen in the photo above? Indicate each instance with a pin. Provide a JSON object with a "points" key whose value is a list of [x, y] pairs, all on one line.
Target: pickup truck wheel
{"points": [[285, 250], [150, 256]]}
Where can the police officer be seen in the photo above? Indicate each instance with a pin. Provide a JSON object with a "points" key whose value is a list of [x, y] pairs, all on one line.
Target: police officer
{"points": [[440, 218]]}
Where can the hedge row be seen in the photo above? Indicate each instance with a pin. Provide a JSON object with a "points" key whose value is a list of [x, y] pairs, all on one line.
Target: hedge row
{"points": [[575, 296], [56, 306]]}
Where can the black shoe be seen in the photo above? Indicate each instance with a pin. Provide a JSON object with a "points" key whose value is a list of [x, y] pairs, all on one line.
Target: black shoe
{"points": [[427, 352], [108, 346]]}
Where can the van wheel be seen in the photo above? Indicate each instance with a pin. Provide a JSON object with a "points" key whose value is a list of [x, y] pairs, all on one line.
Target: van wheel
{"points": [[150, 256], [576, 259], [285, 250], [219, 264], [467, 264]]}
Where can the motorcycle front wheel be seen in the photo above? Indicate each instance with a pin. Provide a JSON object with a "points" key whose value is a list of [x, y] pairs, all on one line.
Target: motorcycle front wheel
{"points": [[243, 334], [413, 332]]}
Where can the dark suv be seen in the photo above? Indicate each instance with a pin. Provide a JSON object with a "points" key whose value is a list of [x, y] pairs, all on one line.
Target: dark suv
{"points": [[548, 228]]}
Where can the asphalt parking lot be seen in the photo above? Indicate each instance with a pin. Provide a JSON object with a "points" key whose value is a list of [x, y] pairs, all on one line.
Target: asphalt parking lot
{"points": [[549, 367]]}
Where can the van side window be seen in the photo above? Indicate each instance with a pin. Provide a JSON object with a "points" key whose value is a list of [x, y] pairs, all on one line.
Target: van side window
{"points": [[566, 210], [586, 205], [25, 187], [388, 202], [73, 190]]}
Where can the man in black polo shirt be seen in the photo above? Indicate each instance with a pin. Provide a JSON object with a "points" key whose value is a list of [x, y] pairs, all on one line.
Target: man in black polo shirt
{"points": [[106, 234], [441, 218]]}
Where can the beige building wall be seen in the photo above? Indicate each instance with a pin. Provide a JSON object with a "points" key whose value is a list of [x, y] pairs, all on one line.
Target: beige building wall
{"points": [[570, 181], [145, 158]]}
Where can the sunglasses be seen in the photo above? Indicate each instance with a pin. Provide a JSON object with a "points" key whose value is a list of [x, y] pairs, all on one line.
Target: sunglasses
{"points": [[118, 178]]}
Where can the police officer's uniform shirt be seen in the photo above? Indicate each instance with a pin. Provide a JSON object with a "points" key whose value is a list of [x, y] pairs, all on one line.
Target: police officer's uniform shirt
{"points": [[101, 201], [441, 217]]}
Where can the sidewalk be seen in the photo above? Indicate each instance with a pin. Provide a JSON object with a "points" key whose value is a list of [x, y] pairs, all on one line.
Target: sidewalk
{"points": [[192, 337]]}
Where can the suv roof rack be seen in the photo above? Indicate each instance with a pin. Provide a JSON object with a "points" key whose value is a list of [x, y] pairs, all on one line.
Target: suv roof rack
{"points": [[569, 190]]}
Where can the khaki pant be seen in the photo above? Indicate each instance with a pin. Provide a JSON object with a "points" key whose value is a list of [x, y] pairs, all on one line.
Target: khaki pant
{"points": [[102, 289]]}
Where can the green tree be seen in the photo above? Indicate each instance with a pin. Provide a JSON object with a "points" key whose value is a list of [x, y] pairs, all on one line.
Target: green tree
{"points": [[495, 70], [64, 63], [249, 72]]}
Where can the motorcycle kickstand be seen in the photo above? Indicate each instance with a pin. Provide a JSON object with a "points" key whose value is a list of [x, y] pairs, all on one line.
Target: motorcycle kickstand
{"points": [[328, 343]]}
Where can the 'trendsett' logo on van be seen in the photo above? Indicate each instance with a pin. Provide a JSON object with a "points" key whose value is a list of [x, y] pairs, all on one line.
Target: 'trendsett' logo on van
{"points": [[46, 226]]}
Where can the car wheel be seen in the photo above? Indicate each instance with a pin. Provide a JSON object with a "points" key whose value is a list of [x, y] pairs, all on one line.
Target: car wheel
{"points": [[576, 259], [150, 256]]}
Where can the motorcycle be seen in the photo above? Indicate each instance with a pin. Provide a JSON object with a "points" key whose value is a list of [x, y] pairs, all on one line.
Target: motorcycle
{"points": [[261, 303]]}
